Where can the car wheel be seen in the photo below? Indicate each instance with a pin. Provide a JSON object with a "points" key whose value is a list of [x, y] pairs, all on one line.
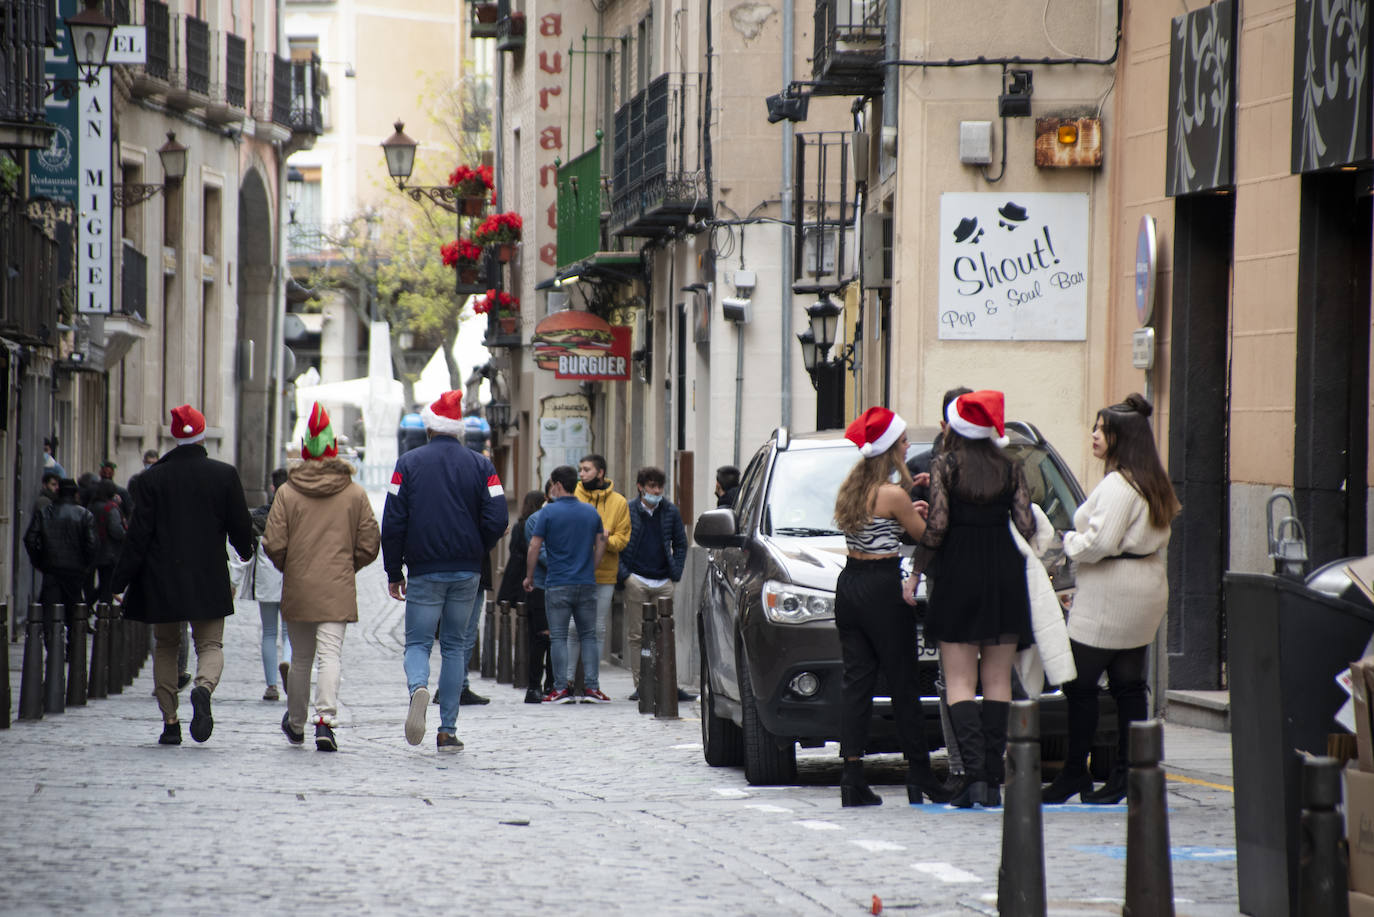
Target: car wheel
{"points": [[768, 760], [722, 743]]}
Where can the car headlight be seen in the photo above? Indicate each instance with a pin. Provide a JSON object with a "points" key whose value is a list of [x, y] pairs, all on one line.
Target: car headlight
{"points": [[784, 603]]}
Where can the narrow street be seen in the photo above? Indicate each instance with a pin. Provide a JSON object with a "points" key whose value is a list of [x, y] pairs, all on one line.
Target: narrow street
{"points": [[575, 809]]}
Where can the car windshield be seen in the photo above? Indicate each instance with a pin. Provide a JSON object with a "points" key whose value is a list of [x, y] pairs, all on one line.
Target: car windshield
{"points": [[801, 494]]}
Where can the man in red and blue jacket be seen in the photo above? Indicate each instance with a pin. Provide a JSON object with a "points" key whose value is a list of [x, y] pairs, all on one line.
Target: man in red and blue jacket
{"points": [[445, 510]]}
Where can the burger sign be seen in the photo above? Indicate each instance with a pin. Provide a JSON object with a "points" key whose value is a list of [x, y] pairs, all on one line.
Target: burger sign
{"points": [[578, 345]]}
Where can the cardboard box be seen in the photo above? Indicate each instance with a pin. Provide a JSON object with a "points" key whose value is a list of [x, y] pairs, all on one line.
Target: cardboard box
{"points": [[1359, 828], [1361, 692], [1361, 905]]}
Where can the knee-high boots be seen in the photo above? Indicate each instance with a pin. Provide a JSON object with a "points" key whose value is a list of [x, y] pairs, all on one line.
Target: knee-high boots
{"points": [[995, 713], [854, 789], [968, 729]]}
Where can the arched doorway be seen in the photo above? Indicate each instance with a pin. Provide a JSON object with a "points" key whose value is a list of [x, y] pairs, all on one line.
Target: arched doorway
{"points": [[256, 368]]}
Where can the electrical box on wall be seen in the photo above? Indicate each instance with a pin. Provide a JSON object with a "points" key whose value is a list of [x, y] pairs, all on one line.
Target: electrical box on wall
{"points": [[1062, 143], [975, 143]]}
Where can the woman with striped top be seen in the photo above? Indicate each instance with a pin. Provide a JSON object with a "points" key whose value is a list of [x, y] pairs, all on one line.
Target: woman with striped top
{"points": [[1118, 542], [877, 628]]}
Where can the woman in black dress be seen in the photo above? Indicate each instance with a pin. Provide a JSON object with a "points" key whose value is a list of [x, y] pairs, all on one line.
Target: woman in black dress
{"points": [[979, 610]]}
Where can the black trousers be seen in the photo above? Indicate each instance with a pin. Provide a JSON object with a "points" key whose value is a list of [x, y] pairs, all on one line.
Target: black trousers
{"points": [[877, 634], [61, 589], [540, 661], [1125, 680]]}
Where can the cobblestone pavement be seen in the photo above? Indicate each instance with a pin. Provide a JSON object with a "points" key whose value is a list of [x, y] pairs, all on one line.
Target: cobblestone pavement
{"points": [[574, 809]]}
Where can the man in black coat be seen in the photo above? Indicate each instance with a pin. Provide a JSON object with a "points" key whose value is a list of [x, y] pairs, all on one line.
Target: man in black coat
{"points": [[61, 542], [174, 569]]}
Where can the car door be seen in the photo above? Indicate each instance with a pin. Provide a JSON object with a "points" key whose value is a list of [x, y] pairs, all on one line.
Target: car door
{"points": [[725, 575]]}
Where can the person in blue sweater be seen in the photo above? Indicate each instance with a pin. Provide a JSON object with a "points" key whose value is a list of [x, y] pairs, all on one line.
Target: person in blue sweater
{"points": [[445, 510]]}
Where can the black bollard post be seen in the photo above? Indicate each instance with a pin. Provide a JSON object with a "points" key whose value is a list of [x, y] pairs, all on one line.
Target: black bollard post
{"points": [[1323, 862], [1021, 877], [504, 655], [55, 672], [648, 690], [489, 642], [115, 675], [665, 663], [31, 677], [99, 685], [76, 665], [1149, 874], [520, 668], [5, 697]]}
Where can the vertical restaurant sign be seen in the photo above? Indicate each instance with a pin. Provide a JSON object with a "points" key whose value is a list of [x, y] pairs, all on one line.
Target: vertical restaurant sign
{"points": [[93, 266], [53, 169], [579, 345], [1014, 267]]}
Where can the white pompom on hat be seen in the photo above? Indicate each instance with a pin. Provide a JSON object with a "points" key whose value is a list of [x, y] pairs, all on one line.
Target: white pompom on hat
{"points": [[445, 415], [875, 431], [978, 415], [188, 425]]}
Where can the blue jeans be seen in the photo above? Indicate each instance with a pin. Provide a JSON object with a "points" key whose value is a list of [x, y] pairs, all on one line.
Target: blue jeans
{"points": [[577, 603], [271, 614], [470, 636], [605, 593], [443, 601]]}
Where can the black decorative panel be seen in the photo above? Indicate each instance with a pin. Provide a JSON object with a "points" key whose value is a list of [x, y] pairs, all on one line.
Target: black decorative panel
{"points": [[1202, 100], [1331, 74]]}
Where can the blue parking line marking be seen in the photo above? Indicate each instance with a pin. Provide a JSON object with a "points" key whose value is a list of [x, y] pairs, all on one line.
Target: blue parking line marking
{"points": [[1205, 854], [1067, 807]]}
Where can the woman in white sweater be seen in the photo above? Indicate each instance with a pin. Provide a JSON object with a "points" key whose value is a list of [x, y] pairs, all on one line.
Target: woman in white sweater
{"points": [[1120, 533]]}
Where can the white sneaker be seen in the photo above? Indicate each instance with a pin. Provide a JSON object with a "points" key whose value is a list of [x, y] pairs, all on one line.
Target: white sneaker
{"points": [[415, 718]]}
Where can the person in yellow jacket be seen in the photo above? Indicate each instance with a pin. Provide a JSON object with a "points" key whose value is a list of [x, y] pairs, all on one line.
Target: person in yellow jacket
{"points": [[595, 488]]}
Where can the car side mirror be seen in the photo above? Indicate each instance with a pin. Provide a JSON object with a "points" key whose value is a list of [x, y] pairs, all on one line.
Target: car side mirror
{"points": [[717, 529]]}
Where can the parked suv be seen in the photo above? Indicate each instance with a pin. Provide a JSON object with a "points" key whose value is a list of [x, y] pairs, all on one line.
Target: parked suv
{"points": [[770, 655]]}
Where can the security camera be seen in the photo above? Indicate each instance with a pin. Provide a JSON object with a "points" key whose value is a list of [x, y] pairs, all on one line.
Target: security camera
{"points": [[785, 107], [735, 309]]}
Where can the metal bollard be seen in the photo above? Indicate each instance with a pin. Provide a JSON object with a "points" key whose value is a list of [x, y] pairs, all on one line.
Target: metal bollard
{"points": [[115, 675], [5, 697], [99, 684], [504, 655], [489, 642], [1322, 857], [55, 670], [520, 669], [1021, 877], [648, 690], [76, 665], [1149, 874], [665, 663], [31, 678]]}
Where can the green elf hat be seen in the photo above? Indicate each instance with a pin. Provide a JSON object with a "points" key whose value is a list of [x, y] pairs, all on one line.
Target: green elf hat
{"points": [[319, 440]]}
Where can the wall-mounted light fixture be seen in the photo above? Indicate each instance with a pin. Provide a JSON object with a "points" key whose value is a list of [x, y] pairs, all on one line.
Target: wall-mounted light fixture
{"points": [[173, 156], [1015, 100], [399, 150]]}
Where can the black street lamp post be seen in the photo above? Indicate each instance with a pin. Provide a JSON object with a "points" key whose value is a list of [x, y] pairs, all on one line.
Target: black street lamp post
{"points": [[827, 375]]}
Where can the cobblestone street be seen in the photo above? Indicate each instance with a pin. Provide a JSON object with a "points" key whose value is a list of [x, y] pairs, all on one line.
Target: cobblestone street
{"points": [[579, 809]]}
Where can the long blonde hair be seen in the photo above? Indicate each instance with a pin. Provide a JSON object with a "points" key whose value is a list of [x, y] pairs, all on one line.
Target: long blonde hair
{"points": [[854, 502]]}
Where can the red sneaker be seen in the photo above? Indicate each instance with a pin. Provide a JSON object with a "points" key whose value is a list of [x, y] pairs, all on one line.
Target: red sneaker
{"points": [[593, 696], [559, 697]]}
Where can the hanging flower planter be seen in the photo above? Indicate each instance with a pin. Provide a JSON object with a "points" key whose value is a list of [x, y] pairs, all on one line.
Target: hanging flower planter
{"points": [[486, 12], [501, 230], [473, 187], [467, 275], [505, 252], [465, 255], [473, 206], [509, 323]]}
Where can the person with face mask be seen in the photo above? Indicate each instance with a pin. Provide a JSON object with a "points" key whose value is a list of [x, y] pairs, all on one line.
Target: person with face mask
{"points": [[651, 563]]}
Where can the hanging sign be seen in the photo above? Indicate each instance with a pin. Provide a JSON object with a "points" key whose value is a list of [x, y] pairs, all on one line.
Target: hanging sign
{"points": [[1146, 269], [579, 345], [94, 201], [1014, 268]]}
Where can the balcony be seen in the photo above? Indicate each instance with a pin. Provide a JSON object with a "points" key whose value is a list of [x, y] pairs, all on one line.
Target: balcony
{"points": [[485, 18], [188, 79], [823, 211], [657, 181], [29, 273], [850, 37], [308, 90], [579, 207], [26, 28], [510, 27], [229, 90]]}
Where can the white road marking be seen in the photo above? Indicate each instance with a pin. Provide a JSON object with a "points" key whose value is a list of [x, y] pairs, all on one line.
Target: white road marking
{"points": [[730, 792], [815, 825], [946, 873], [765, 807], [876, 846], [688, 747]]}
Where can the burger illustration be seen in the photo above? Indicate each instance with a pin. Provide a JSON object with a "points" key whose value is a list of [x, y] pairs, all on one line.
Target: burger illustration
{"points": [[570, 333]]}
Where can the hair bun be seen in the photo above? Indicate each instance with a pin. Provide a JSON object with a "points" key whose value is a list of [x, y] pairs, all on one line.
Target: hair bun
{"points": [[1136, 402]]}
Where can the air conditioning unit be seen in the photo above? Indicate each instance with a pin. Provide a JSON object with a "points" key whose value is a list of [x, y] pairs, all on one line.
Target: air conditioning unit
{"points": [[875, 269]]}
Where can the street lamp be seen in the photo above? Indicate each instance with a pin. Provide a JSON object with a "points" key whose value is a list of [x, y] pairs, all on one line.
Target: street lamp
{"points": [[295, 190], [173, 156], [808, 346], [827, 375], [498, 412], [400, 162], [825, 319], [90, 31]]}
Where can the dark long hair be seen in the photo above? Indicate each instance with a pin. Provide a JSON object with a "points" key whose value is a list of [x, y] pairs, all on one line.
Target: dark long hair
{"points": [[530, 505], [1131, 451], [981, 470]]}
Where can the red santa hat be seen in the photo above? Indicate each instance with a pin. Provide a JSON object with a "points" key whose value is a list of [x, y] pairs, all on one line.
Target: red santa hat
{"points": [[445, 415], [875, 431], [319, 442], [978, 415], [188, 425]]}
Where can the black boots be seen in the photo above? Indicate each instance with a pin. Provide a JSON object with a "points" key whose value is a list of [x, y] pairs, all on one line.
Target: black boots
{"points": [[995, 713], [1113, 791], [922, 782], [854, 790], [1070, 782], [968, 731]]}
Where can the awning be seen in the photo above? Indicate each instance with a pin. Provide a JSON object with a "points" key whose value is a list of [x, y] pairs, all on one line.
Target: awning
{"points": [[602, 267]]}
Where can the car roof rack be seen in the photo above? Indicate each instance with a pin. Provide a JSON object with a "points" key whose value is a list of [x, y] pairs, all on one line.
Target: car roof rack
{"points": [[782, 438]]}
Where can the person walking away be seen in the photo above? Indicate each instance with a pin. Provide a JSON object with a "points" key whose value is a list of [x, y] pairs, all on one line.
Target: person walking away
{"points": [[877, 629], [727, 486], [652, 561], [262, 584], [1118, 544], [150, 457], [575, 539], [468, 697], [320, 532], [445, 509], [107, 472], [512, 590], [594, 488], [111, 528], [173, 570], [978, 606], [61, 542]]}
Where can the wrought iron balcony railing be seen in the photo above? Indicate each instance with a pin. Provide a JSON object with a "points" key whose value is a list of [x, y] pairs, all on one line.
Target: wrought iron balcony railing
{"points": [[235, 71], [848, 51], [307, 96], [26, 28], [30, 279], [657, 180], [823, 210]]}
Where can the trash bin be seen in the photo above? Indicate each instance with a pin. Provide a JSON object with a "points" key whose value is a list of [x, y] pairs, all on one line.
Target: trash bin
{"points": [[1285, 644]]}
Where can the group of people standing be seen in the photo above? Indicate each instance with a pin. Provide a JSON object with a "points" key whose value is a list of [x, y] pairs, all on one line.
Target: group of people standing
{"points": [[974, 500]]}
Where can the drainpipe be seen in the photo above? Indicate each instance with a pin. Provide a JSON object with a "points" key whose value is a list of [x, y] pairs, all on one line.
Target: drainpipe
{"points": [[789, 40]]}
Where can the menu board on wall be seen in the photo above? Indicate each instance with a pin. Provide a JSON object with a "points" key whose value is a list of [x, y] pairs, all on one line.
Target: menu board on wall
{"points": [[1014, 267], [565, 432]]}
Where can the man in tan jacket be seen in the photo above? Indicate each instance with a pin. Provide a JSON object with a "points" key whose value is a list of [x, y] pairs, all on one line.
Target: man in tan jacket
{"points": [[320, 533]]}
